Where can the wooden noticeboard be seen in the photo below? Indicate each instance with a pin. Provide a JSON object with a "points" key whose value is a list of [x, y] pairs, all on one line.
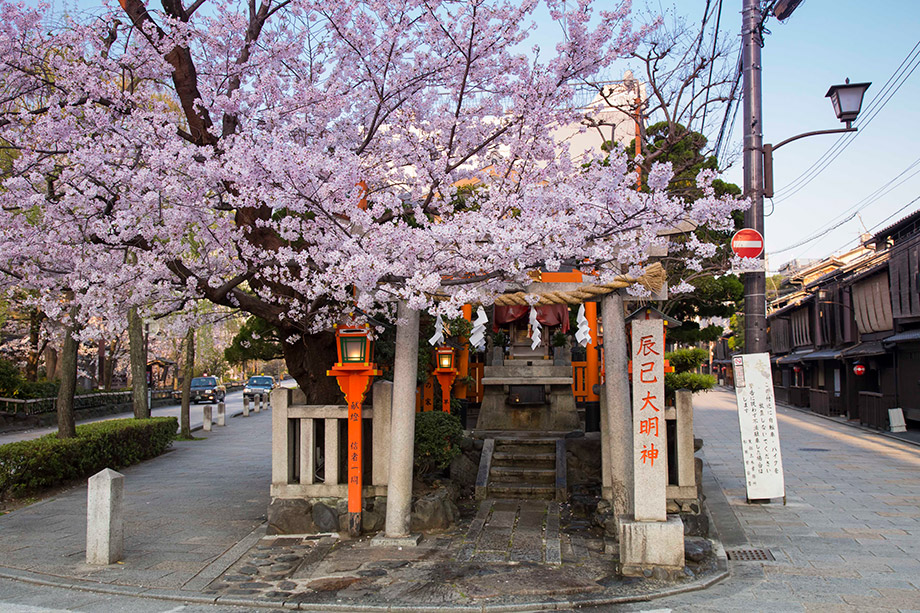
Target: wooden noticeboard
{"points": [[763, 463]]}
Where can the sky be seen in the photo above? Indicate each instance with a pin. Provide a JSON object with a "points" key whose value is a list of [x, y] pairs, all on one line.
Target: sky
{"points": [[822, 44]]}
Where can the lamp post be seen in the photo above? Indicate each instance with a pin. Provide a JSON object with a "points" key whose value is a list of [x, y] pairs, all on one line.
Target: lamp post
{"points": [[354, 372], [445, 373], [758, 158]]}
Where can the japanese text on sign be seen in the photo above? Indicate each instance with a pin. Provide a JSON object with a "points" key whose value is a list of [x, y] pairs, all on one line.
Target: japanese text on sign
{"points": [[649, 433], [763, 466]]}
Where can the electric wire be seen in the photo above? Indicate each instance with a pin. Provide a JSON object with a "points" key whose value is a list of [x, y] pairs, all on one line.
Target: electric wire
{"points": [[875, 106], [873, 196], [712, 55], [898, 212], [854, 210], [869, 108]]}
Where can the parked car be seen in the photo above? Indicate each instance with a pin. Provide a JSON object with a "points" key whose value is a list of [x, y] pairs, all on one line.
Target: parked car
{"points": [[258, 384], [208, 389]]}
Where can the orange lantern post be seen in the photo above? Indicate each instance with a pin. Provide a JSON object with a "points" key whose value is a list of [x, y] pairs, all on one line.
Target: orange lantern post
{"points": [[354, 373], [446, 373]]}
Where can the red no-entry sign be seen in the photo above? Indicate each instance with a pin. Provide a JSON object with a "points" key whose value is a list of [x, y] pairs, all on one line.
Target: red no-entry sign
{"points": [[747, 243]]}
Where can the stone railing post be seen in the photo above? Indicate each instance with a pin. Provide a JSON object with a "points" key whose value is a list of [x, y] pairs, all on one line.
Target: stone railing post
{"points": [[207, 417], [282, 442], [245, 406], [383, 406], [221, 414], [686, 474], [105, 517]]}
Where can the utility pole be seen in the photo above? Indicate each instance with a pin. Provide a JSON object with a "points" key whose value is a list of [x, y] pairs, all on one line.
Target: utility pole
{"points": [[755, 307]]}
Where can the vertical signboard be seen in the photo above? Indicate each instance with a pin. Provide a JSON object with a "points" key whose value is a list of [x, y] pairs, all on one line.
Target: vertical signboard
{"points": [[650, 459], [763, 464]]}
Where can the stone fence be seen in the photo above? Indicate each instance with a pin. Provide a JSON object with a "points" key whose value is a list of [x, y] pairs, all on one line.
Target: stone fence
{"points": [[309, 445]]}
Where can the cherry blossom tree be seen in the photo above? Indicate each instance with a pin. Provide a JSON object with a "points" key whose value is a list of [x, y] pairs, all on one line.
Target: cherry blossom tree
{"points": [[298, 160]]}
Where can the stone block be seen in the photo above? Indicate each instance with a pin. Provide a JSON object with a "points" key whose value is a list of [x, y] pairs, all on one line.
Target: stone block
{"points": [[221, 414], [245, 406], [325, 518], [649, 546], [105, 533], [207, 417], [290, 516]]}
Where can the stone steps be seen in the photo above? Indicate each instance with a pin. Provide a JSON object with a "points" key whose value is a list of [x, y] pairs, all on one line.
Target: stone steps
{"points": [[525, 474], [522, 468], [522, 491]]}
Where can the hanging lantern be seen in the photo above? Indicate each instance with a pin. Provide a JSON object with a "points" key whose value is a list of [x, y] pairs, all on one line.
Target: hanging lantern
{"points": [[797, 368], [859, 369]]}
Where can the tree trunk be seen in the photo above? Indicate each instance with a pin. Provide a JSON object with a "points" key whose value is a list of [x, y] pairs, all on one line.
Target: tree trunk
{"points": [[185, 430], [138, 365], [51, 363], [67, 427], [109, 371], [307, 360], [35, 327]]}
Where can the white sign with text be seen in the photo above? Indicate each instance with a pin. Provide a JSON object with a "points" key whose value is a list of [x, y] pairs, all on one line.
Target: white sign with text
{"points": [[763, 464], [650, 462]]}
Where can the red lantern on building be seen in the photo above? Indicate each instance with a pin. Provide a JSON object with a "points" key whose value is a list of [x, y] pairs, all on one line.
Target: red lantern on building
{"points": [[859, 369], [797, 368]]}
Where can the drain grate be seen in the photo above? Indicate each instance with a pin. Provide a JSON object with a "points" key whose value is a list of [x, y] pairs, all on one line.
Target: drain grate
{"points": [[812, 449], [750, 555]]}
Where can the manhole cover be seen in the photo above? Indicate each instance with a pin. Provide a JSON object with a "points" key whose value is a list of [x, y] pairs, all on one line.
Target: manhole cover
{"points": [[812, 449], [750, 555]]}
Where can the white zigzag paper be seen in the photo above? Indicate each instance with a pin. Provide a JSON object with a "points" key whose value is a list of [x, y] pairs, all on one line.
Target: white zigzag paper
{"points": [[583, 334], [535, 335], [478, 333]]}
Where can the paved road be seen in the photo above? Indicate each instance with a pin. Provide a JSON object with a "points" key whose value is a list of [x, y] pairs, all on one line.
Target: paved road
{"points": [[848, 538]]}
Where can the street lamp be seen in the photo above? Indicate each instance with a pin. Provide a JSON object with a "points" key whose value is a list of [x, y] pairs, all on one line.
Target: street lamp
{"points": [[758, 164], [847, 101]]}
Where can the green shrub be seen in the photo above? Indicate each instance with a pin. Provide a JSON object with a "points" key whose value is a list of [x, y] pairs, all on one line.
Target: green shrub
{"points": [[28, 466], [688, 381], [10, 379], [38, 389], [437, 440], [684, 360]]}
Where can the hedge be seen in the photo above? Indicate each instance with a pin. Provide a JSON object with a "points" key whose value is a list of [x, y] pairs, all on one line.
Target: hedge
{"points": [[29, 466]]}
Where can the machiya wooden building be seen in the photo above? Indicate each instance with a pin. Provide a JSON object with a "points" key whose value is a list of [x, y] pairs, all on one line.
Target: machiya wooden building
{"points": [[848, 342]]}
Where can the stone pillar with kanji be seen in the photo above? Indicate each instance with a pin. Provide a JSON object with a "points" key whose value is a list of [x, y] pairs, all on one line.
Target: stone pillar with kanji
{"points": [[650, 540]]}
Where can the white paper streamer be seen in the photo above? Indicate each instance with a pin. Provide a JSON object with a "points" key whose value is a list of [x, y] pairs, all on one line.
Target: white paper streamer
{"points": [[535, 335], [583, 333], [478, 333], [438, 332]]}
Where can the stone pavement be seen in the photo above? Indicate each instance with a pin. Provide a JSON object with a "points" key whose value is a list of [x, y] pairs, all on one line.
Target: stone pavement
{"points": [[848, 538]]}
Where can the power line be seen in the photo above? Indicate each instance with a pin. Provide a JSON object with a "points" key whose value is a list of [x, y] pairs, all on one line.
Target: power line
{"points": [[874, 108], [870, 107], [854, 210], [712, 55]]}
